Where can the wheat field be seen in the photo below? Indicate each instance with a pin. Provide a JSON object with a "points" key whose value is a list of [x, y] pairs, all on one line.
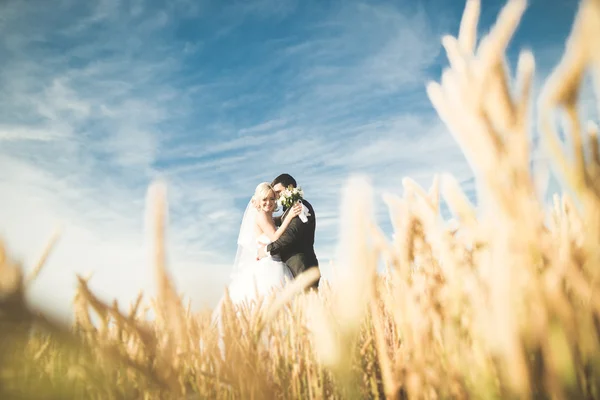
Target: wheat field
{"points": [[505, 304]]}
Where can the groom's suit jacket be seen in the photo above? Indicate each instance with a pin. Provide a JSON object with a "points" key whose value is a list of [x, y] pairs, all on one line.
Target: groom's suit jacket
{"points": [[296, 244]]}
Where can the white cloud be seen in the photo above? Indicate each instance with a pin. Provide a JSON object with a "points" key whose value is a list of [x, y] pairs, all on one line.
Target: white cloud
{"points": [[79, 142], [265, 126], [14, 133]]}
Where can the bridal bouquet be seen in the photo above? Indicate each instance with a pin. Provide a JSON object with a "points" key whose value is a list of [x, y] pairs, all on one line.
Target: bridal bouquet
{"points": [[291, 196]]}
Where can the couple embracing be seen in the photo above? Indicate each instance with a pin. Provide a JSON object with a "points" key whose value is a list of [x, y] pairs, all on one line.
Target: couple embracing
{"points": [[273, 250]]}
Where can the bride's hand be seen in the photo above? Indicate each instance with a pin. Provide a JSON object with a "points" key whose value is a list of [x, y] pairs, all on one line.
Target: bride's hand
{"points": [[294, 212]]}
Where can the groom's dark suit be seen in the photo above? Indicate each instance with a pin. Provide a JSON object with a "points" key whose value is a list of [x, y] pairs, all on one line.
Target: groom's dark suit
{"points": [[296, 244]]}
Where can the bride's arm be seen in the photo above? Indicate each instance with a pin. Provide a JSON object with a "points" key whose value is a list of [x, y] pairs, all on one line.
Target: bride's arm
{"points": [[267, 225]]}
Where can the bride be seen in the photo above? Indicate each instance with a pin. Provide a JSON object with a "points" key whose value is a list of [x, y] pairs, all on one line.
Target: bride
{"points": [[251, 277]]}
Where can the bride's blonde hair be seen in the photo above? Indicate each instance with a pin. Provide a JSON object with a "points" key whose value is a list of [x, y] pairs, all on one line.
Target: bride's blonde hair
{"points": [[262, 191]]}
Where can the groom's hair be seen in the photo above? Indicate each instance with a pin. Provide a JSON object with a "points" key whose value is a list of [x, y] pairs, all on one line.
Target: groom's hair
{"points": [[285, 179]]}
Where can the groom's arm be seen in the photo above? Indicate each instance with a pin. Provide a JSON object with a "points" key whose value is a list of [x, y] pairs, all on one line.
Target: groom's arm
{"points": [[291, 234]]}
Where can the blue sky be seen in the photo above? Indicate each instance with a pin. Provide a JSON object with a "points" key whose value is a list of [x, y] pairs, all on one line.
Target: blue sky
{"points": [[101, 97]]}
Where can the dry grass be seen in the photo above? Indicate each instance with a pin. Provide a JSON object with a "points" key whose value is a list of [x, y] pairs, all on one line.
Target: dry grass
{"points": [[507, 306]]}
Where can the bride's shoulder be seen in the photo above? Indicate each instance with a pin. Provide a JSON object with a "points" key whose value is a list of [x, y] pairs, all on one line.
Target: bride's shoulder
{"points": [[261, 217]]}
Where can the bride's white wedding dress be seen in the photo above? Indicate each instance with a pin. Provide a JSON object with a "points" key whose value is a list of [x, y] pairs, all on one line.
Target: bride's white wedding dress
{"points": [[251, 278], [259, 278]]}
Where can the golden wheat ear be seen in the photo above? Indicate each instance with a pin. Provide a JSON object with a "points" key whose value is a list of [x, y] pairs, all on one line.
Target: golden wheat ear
{"points": [[297, 286], [11, 277], [43, 258]]}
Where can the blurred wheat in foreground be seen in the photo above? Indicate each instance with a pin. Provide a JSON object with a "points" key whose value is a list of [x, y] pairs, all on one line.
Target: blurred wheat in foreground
{"points": [[506, 305]]}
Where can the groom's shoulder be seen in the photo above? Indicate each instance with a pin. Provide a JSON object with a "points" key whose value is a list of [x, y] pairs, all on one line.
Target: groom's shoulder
{"points": [[307, 204]]}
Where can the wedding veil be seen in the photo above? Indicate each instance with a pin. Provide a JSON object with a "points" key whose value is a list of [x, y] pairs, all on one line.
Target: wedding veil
{"points": [[247, 243]]}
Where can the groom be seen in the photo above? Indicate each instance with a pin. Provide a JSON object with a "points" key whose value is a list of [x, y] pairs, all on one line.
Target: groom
{"points": [[296, 244]]}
